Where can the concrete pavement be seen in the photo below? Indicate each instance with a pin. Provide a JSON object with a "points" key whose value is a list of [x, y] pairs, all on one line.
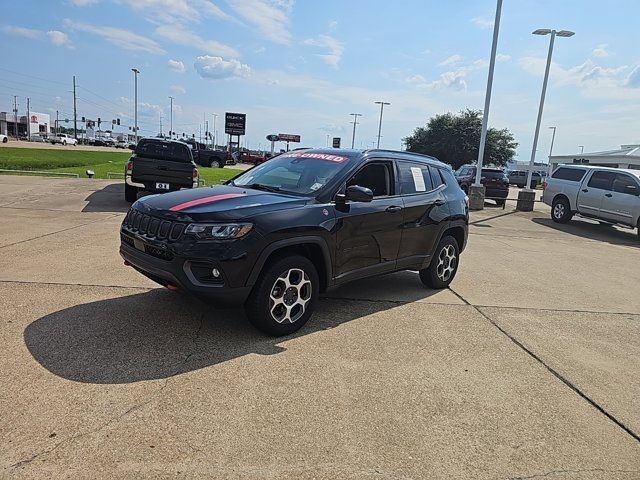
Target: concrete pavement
{"points": [[526, 367]]}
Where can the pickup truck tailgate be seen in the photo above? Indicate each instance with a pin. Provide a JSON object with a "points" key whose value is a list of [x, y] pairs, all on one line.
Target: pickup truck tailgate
{"points": [[151, 170]]}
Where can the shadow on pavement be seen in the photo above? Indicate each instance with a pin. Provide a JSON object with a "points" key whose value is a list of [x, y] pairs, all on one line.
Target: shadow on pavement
{"points": [[107, 199], [158, 334], [593, 231]]}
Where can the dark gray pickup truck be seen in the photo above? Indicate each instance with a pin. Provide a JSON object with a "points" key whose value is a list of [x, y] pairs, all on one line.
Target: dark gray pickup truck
{"points": [[158, 166]]}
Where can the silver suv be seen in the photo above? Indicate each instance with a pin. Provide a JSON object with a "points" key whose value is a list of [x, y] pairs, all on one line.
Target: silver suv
{"points": [[610, 195]]}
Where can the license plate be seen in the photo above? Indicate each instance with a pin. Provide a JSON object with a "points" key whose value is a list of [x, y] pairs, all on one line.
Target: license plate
{"points": [[139, 244], [162, 186]]}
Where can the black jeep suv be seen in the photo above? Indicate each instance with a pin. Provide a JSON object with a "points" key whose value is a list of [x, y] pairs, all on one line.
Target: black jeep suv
{"points": [[276, 236]]}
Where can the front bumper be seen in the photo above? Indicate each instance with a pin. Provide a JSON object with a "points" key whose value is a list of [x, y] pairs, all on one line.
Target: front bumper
{"points": [[179, 273]]}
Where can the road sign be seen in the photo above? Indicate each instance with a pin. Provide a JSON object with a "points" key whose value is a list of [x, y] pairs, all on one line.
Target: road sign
{"points": [[287, 137], [336, 142], [273, 138], [235, 123]]}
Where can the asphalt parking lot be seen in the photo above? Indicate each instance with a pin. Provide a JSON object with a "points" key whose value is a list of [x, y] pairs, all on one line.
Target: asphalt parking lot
{"points": [[527, 367]]}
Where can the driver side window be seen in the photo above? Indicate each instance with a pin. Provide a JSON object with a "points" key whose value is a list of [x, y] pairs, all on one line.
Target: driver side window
{"points": [[377, 177]]}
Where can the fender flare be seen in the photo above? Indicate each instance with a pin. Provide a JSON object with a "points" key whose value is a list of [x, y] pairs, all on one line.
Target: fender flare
{"points": [[272, 247]]}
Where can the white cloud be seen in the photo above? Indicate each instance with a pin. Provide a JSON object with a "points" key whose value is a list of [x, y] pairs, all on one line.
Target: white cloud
{"points": [[118, 37], [483, 21], [633, 79], [59, 38], [270, 17], [453, 80], [184, 10], [183, 36], [219, 68], [335, 48], [600, 51], [501, 57], [82, 3], [22, 32], [452, 60], [178, 89], [176, 66], [333, 24]]}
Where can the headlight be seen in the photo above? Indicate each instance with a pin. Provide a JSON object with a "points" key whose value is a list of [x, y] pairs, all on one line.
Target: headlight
{"points": [[219, 231]]}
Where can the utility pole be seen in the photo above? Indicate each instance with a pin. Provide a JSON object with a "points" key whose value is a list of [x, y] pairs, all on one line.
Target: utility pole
{"points": [[206, 132], [75, 113], [15, 114], [355, 122], [28, 120], [215, 115], [171, 118], [161, 124], [56, 123], [382, 104]]}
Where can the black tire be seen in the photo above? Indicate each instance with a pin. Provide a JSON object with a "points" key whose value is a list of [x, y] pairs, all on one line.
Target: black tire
{"points": [[5, 140], [260, 305], [561, 210], [444, 264], [214, 164], [130, 193]]}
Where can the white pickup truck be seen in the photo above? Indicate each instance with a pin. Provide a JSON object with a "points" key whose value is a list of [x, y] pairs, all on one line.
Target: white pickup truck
{"points": [[63, 139], [610, 195]]}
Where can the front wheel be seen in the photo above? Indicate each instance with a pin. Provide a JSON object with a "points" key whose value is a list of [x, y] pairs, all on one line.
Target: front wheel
{"points": [[561, 211], [444, 264], [284, 297], [5, 140]]}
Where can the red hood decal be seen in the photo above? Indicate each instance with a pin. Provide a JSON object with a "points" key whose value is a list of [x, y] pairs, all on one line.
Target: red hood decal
{"points": [[203, 200]]}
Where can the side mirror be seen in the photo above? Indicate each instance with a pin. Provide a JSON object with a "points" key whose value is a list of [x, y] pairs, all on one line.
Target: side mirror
{"points": [[356, 193]]}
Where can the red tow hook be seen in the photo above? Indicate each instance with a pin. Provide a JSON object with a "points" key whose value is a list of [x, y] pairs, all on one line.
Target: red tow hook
{"points": [[171, 286], [126, 263]]}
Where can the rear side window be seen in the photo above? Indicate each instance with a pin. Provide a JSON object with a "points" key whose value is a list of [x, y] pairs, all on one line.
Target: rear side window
{"points": [[625, 184], [436, 177], [414, 178], [601, 180], [448, 177], [172, 151], [571, 174]]}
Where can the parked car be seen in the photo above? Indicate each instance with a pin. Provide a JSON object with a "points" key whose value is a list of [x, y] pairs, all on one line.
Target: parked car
{"points": [[3, 138], [252, 158], [159, 166], [519, 178], [122, 144], [610, 195], [276, 236], [205, 156], [494, 180], [63, 139]]}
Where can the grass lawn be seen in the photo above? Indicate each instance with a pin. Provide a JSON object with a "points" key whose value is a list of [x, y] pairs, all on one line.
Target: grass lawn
{"points": [[79, 162]]}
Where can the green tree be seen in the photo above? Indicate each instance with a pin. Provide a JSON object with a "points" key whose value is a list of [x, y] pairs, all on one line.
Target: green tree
{"points": [[455, 139]]}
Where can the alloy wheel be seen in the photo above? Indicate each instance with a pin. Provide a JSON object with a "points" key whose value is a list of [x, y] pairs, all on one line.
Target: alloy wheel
{"points": [[447, 262], [558, 210], [289, 296]]}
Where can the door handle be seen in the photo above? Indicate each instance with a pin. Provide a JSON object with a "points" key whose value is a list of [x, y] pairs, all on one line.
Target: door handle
{"points": [[608, 195], [393, 208], [439, 202], [585, 190]]}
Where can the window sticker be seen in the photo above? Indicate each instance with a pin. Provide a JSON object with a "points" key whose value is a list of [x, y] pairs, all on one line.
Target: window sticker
{"points": [[418, 179]]}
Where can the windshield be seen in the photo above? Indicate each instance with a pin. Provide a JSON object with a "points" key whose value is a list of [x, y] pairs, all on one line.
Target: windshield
{"points": [[161, 150], [297, 172]]}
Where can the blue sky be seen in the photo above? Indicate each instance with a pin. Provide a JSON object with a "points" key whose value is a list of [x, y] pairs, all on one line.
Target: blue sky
{"points": [[302, 67]]}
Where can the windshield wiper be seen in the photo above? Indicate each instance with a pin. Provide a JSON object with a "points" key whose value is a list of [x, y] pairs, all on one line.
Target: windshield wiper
{"points": [[260, 186]]}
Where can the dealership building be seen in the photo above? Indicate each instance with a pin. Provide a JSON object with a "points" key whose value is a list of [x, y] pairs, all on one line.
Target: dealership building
{"points": [[35, 124], [627, 156]]}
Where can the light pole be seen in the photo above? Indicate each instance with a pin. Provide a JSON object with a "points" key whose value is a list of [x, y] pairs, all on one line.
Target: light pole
{"points": [[581, 149], [554, 33], [553, 137], [215, 115], [171, 118], [477, 191], [355, 122], [135, 102], [382, 104]]}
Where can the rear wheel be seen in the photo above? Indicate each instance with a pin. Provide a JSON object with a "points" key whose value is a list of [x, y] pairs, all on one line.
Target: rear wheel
{"points": [[444, 264], [215, 164], [284, 297], [561, 210], [5, 139], [130, 193]]}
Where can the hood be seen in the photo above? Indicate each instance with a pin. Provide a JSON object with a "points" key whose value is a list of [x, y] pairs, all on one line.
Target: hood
{"points": [[219, 203]]}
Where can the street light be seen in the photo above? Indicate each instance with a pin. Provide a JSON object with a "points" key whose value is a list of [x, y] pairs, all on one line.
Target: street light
{"points": [[554, 33], [355, 122], [382, 104], [581, 149], [135, 102], [213, 139], [553, 137], [477, 190], [171, 118]]}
